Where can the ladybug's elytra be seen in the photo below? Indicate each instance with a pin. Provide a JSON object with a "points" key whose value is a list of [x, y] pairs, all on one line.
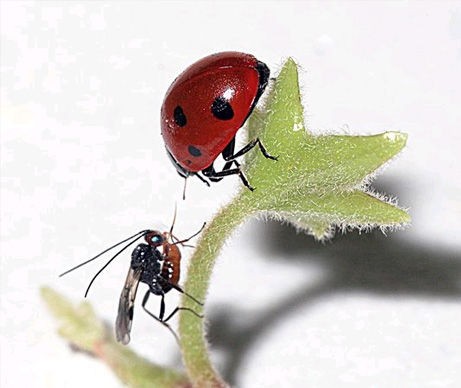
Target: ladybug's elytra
{"points": [[204, 108]]}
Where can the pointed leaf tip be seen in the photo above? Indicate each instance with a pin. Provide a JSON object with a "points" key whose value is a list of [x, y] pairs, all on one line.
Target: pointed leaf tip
{"points": [[313, 173], [396, 137]]}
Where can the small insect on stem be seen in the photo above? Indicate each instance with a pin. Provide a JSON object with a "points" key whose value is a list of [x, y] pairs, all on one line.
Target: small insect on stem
{"points": [[157, 264]]}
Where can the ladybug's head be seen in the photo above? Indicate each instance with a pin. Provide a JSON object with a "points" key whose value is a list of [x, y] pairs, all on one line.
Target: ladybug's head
{"points": [[181, 170], [155, 238]]}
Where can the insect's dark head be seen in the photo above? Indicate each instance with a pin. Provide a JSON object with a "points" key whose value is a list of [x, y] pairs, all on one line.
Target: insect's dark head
{"points": [[182, 171], [154, 238]]}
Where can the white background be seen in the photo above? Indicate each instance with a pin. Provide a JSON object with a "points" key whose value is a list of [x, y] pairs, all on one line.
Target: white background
{"points": [[83, 165]]}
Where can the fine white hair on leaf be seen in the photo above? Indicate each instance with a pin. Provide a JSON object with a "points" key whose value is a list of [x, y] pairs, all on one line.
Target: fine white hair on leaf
{"points": [[365, 183], [302, 226]]}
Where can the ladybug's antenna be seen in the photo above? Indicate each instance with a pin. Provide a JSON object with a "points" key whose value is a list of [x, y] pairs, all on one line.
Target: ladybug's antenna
{"points": [[184, 189], [110, 261], [142, 232]]}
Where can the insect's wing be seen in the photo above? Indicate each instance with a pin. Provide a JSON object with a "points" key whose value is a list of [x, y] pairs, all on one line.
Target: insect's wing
{"points": [[126, 306]]}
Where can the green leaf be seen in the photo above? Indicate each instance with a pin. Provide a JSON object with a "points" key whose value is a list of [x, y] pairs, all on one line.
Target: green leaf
{"points": [[349, 209], [318, 182], [311, 183], [86, 332], [79, 324]]}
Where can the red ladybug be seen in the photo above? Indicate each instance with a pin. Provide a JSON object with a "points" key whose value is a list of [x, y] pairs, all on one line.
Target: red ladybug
{"points": [[204, 108]]}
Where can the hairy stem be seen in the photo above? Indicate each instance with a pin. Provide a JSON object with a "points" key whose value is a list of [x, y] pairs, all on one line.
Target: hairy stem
{"points": [[192, 330]]}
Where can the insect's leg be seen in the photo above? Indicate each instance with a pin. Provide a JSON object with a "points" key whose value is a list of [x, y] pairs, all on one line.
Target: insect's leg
{"points": [[179, 289], [228, 154], [215, 176], [144, 301], [229, 150], [231, 156], [202, 178], [210, 173], [182, 308], [162, 308]]}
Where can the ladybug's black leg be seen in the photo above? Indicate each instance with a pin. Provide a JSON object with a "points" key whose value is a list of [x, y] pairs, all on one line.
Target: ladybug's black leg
{"points": [[244, 150], [212, 174], [162, 306], [202, 179], [213, 177], [228, 153], [229, 157], [229, 150]]}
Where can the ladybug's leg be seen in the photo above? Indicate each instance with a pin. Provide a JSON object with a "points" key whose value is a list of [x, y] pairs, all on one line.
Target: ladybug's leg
{"points": [[214, 176], [210, 172], [229, 150], [231, 156], [202, 179], [228, 155]]}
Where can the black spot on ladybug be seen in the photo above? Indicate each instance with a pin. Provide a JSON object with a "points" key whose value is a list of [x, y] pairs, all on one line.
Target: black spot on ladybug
{"points": [[221, 109], [194, 151], [179, 116]]}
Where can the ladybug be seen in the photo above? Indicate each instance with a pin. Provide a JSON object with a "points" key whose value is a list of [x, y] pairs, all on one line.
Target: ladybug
{"points": [[204, 108]]}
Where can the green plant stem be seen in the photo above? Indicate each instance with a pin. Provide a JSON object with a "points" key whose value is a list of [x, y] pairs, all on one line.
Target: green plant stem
{"points": [[80, 326], [317, 182], [192, 330]]}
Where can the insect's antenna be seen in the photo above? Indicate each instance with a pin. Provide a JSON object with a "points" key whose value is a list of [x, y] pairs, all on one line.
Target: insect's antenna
{"points": [[177, 241], [174, 219], [142, 232], [110, 261], [191, 237]]}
